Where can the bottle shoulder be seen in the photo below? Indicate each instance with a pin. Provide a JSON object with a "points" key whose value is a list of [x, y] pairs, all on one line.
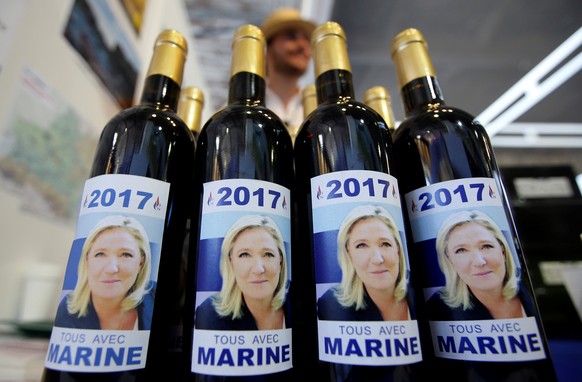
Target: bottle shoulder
{"points": [[141, 117], [343, 136], [243, 126], [437, 119], [238, 115], [142, 142], [342, 114], [244, 142]]}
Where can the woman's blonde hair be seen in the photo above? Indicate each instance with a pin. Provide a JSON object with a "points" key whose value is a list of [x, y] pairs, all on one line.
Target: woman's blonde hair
{"points": [[228, 302], [455, 292], [78, 300], [351, 290]]}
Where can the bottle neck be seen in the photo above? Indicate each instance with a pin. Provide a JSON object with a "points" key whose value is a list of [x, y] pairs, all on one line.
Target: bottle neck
{"points": [[419, 93], [378, 99], [190, 107], [246, 87], [334, 85], [160, 91]]}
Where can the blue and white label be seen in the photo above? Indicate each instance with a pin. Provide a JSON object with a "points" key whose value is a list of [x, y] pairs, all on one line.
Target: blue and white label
{"points": [[118, 193], [348, 186], [478, 306], [360, 245], [231, 353], [104, 315], [369, 342], [246, 195], [454, 195], [503, 340], [96, 350], [244, 261]]}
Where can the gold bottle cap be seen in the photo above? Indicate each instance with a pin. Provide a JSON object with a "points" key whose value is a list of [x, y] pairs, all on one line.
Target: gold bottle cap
{"points": [[170, 51], [409, 52], [329, 45], [248, 51], [309, 99], [378, 98], [190, 107]]}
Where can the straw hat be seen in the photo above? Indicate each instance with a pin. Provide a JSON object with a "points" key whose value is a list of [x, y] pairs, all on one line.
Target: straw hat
{"points": [[286, 18]]}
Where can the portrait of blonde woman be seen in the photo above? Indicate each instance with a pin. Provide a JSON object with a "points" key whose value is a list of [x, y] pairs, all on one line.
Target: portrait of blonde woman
{"points": [[374, 280], [481, 277], [253, 267], [113, 289]]}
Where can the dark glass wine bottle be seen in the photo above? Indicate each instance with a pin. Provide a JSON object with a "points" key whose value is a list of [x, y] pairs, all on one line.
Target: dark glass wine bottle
{"points": [[482, 321], [357, 317], [190, 108], [121, 320], [240, 316], [378, 98]]}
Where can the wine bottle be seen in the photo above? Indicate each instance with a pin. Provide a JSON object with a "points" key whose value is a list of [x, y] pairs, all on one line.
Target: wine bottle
{"points": [[482, 321], [190, 108], [378, 98], [308, 99], [120, 317], [240, 316], [358, 322]]}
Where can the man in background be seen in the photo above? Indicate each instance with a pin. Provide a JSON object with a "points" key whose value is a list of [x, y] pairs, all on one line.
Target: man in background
{"points": [[288, 56]]}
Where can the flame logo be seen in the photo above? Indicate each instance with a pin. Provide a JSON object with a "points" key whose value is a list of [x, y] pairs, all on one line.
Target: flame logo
{"points": [[492, 194], [319, 193], [284, 203], [210, 200], [413, 207], [393, 191], [157, 204], [85, 202]]}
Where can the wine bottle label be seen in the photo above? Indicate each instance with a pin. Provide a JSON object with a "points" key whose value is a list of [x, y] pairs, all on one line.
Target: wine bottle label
{"points": [[478, 305], [361, 271], [242, 320], [105, 312]]}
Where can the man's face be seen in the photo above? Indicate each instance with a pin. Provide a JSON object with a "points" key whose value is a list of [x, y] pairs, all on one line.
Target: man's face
{"points": [[289, 52]]}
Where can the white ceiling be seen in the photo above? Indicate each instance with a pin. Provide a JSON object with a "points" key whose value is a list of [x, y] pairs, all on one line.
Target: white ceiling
{"points": [[480, 50]]}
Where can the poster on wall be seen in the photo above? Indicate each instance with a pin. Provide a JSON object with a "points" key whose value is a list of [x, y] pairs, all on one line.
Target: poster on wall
{"points": [[46, 151], [95, 33]]}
